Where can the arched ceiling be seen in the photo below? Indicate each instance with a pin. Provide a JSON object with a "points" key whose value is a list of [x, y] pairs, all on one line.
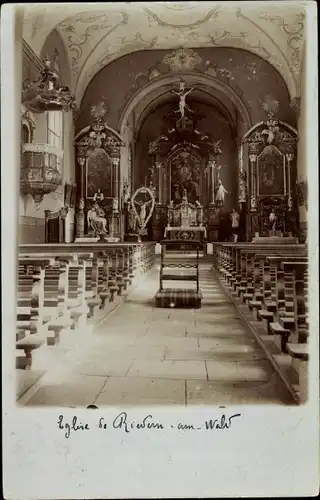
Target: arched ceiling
{"points": [[96, 34]]}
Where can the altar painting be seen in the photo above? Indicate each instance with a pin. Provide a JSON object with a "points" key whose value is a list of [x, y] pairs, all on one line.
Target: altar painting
{"points": [[98, 174], [185, 174], [271, 172]]}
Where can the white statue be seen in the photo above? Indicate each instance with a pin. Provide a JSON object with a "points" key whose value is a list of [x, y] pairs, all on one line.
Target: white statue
{"points": [[96, 220], [143, 211], [98, 196], [115, 204], [235, 218], [182, 93], [143, 217], [273, 220], [221, 192], [126, 192]]}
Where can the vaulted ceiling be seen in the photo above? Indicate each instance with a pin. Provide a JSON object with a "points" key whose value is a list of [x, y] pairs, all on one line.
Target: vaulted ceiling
{"points": [[96, 34]]}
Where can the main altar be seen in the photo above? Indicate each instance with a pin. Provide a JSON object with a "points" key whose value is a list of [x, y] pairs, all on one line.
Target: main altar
{"points": [[185, 177], [185, 221]]}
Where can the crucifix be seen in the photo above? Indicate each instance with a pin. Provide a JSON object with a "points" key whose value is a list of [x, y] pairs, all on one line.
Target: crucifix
{"points": [[182, 93]]}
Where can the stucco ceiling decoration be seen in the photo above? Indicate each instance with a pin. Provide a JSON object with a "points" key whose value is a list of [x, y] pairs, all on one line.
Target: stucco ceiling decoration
{"points": [[97, 34]]}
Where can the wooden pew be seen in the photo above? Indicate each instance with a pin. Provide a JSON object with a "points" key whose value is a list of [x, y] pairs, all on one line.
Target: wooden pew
{"points": [[75, 284]]}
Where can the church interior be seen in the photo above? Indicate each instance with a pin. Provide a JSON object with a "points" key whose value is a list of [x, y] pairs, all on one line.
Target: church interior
{"points": [[163, 253]]}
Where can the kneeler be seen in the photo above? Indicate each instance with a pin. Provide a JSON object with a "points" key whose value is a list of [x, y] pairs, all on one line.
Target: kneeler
{"points": [[179, 297]]}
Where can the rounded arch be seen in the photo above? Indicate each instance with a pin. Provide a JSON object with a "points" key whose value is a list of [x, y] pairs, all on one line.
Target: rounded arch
{"points": [[158, 84], [214, 101]]}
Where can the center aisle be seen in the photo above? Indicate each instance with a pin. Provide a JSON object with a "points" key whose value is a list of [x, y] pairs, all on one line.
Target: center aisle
{"points": [[142, 355]]}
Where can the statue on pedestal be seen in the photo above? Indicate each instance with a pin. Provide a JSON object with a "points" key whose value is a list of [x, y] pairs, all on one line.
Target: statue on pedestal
{"points": [[96, 220], [235, 218], [221, 192], [273, 220], [98, 196]]}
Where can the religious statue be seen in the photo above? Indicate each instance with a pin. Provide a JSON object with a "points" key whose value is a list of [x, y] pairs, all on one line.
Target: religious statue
{"points": [[132, 220], [126, 192], [177, 195], [96, 220], [273, 220], [98, 196], [271, 132], [115, 204], [143, 217], [221, 192], [235, 218], [182, 93], [143, 211]]}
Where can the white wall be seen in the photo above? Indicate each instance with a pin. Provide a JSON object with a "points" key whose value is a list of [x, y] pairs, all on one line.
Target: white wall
{"points": [[302, 150]]}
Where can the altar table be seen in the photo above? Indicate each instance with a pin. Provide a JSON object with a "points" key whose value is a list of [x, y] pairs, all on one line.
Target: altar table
{"points": [[186, 233]]}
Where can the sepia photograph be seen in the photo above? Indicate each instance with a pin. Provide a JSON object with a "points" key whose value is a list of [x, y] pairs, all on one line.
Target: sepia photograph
{"points": [[163, 251]]}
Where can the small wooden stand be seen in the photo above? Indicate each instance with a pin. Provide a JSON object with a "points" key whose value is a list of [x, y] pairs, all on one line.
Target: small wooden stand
{"points": [[179, 297]]}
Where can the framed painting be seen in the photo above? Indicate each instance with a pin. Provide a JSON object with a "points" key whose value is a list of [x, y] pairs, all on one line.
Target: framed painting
{"points": [[98, 174], [271, 178]]}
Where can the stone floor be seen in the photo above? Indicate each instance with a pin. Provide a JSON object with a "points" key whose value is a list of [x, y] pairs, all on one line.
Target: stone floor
{"points": [[141, 355]]}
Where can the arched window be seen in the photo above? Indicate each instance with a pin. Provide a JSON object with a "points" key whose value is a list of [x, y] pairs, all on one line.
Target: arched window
{"points": [[55, 131]]}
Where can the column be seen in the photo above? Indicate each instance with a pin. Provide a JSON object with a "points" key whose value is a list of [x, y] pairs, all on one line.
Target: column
{"points": [[211, 179], [159, 170], [241, 177], [80, 213], [289, 157], [114, 228], [115, 178], [253, 158]]}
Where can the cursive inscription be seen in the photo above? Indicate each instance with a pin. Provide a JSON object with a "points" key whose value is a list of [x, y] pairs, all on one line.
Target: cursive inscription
{"points": [[75, 425], [126, 424], [221, 423], [122, 422]]}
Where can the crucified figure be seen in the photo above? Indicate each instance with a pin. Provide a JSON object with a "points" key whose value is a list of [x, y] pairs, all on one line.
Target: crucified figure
{"points": [[143, 212], [182, 93]]}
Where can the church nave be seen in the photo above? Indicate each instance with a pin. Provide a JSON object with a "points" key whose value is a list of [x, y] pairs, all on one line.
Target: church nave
{"points": [[142, 355]]}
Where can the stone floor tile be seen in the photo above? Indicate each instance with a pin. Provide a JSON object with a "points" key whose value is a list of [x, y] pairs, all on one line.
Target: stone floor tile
{"points": [[222, 354], [168, 369], [178, 342], [232, 342], [247, 371], [141, 391], [26, 379], [77, 390], [202, 392], [255, 370], [223, 371]]}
